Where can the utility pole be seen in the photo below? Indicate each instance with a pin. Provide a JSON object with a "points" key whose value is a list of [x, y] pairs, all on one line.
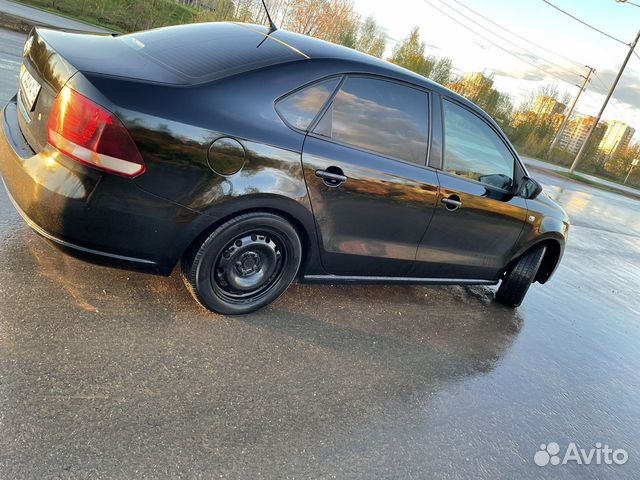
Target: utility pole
{"points": [[556, 139], [634, 163], [584, 146]]}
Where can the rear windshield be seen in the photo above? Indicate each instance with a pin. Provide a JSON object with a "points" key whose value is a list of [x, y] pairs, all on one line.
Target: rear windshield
{"points": [[207, 51]]}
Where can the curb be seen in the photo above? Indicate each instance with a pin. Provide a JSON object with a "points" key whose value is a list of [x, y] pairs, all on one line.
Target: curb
{"points": [[24, 25], [18, 24], [605, 188]]}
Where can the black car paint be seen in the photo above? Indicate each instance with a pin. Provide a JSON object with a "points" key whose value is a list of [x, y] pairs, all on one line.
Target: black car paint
{"points": [[386, 222], [85, 208]]}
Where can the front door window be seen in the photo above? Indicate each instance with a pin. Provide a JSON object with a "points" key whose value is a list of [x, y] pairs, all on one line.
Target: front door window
{"points": [[473, 150]]}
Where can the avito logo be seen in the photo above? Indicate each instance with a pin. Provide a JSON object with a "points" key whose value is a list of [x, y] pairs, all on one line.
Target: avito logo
{"points": [[549, 454]]}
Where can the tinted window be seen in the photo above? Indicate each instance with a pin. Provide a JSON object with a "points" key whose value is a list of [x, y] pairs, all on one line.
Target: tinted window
{"points": [[301, 107], [473, 150], [380, 116]]}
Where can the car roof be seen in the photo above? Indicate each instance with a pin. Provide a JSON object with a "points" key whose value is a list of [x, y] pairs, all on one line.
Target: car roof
{"points": [[204, 52], [314, 48]]}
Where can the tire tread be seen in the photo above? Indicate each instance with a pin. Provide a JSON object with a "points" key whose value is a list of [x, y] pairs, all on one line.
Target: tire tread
{"points": [[515, 285]]}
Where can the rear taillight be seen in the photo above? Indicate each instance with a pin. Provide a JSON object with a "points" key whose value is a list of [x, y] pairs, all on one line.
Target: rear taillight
{"points": [[91, 134]]}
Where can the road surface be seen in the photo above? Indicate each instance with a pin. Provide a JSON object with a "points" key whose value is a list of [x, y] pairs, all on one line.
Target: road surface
{"points": [[111, 374], [11, 44]]}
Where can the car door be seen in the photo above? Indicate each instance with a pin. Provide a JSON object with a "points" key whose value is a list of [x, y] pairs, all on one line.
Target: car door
{"points": [[478, 218], [365, 167]]}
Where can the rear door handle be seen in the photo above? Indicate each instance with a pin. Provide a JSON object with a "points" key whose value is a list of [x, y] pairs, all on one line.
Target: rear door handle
{"points": [[331, 179], [452, 202]]}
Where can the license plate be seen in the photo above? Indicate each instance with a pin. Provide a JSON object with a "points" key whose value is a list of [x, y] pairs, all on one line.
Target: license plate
{"points": [[30, 88]]}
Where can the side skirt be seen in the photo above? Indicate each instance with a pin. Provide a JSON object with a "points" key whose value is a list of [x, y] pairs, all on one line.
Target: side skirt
{"points": [[340, 279]]}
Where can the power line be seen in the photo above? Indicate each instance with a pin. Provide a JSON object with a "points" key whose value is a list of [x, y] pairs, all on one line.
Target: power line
{"points": [[518, 35], [595, 99], [615, 101], [506, 39], [600, 81], [628, 3], [509, 52], [585, 23]]}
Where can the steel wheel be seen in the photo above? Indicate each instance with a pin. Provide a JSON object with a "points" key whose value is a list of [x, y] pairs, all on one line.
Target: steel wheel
{"points": [[248, 265], [244, 264]]}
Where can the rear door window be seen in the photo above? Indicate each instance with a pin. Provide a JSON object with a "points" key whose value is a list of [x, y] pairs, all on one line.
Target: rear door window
{"points": [[300, 108], [380, 116]]}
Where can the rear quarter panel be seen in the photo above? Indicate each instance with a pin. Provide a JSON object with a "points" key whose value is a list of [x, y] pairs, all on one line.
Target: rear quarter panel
{"points": [[174, 127]]}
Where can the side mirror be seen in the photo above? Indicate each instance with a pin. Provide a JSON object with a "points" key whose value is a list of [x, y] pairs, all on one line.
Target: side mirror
{"points": [[497, 180], [529, 188]]}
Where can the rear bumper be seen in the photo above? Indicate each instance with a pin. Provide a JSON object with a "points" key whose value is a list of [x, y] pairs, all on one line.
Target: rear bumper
{"points": [[89, 211]]}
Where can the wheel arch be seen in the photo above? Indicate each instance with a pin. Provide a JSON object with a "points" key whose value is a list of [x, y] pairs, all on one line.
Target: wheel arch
{"points": [[291, 211], [552, 256], [550, 261]]}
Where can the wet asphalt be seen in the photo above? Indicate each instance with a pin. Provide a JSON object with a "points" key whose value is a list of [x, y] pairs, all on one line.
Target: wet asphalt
{"points": [[112, 374]]}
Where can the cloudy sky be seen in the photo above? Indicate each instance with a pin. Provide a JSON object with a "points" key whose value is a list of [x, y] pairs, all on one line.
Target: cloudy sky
{"points": [[560, 49]]}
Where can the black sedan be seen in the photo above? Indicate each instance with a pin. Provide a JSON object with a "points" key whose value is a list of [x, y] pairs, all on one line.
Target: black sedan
{"points": [[256, 157]]}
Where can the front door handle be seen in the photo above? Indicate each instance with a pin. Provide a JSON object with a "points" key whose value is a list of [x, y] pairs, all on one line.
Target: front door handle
{"points": [[452, 202], [332, 178]]}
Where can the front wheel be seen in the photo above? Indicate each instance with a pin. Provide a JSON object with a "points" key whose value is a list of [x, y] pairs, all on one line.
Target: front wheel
{"points": [[519, 278], [245, 264]]}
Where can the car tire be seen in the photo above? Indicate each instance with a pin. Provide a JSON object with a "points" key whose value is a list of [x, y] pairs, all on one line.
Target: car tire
{"points": [[244, 264], [516, 283]]}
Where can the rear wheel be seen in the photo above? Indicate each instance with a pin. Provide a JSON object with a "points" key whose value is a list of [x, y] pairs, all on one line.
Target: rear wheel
{"points": [[245, 264], [519, 278]]}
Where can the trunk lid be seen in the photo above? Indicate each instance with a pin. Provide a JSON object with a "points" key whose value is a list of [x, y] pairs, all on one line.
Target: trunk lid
{"points": [[52, 57], [42, 75]]}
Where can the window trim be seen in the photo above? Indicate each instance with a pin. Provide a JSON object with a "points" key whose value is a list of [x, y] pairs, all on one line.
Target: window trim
{"points": [[516, 159], [429, 94], [437, 120], [326, 107], [302, 87]]}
